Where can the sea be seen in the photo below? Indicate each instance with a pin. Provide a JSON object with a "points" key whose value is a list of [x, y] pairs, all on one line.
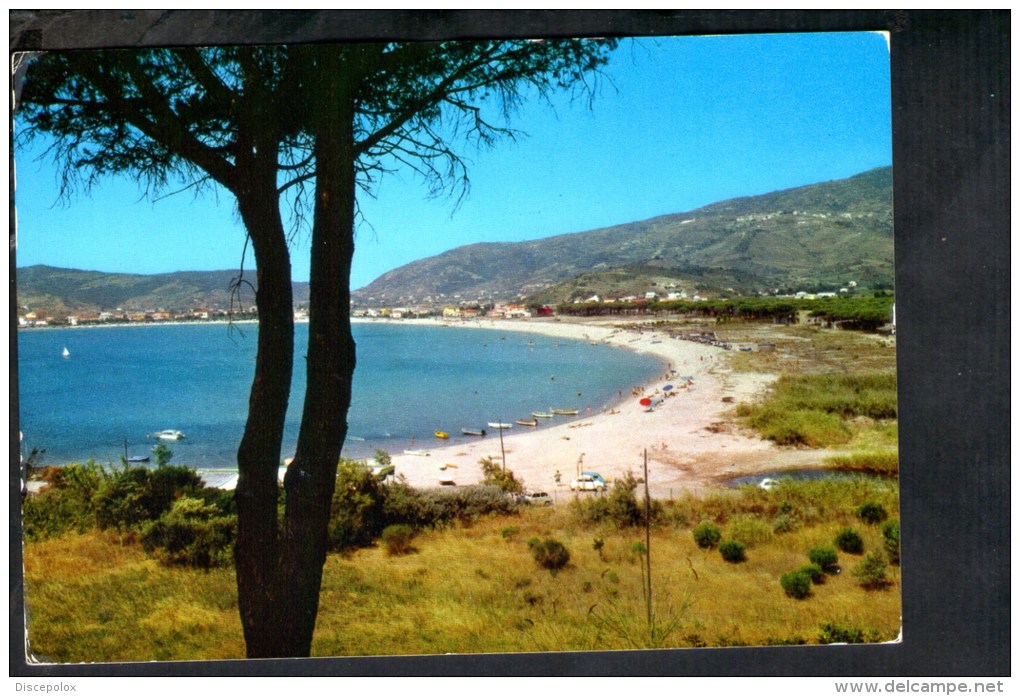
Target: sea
{"points": [[118, 385]]}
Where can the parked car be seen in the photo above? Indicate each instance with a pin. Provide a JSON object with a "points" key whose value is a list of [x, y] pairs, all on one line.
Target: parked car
{"points": [[534, 498], [589, 481]]}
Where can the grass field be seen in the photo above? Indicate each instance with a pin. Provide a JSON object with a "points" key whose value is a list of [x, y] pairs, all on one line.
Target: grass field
{"points": [[474, 587]]}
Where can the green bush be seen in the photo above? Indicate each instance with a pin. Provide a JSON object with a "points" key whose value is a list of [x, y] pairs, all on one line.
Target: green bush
{"points": [[397, 539], [494, 474], [891, 540], [438, 507], [796, 584], [872, 512], [815, 572], [84, 495], [870, 572], [824, 557], [191, 533], [549, 553], [732, 551], [356, 516], [849, 541], [128, 496], [54, 512], [619, 507], [706, 535]]}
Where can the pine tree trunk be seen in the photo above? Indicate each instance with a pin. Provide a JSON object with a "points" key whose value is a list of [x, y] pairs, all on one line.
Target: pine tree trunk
{"points": [[311, 478], [258, 456]]}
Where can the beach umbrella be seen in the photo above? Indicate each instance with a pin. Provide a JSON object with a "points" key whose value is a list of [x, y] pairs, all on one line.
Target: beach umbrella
{"points": [[668, 387], [645, 402]]}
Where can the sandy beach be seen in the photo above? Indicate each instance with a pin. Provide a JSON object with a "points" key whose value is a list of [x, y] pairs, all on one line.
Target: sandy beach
{"points": [[689, 438]]}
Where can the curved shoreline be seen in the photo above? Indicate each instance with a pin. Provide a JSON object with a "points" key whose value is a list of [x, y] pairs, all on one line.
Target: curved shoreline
{"points": [[688, 448]]}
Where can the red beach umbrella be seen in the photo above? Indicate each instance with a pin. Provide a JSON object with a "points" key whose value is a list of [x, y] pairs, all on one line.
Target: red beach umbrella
{"points": [[645, 402]]}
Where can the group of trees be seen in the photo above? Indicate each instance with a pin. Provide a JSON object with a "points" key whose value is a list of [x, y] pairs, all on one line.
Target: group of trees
{"points": [[292, 133], [864, 313]]}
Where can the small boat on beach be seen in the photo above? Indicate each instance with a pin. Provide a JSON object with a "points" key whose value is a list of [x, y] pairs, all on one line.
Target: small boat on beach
{"points": [[476, 433], [564, 411], [527, 421], [168, 435], [500, 426], [135, 459], [540, 414], [417, 452], [442, 435]]}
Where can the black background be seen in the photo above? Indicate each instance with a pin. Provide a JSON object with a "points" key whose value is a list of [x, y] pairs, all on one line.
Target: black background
{"points": [[951, 92]]}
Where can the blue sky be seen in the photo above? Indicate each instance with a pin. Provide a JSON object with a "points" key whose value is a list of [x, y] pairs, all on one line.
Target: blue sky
{"points": [[682, 122]]}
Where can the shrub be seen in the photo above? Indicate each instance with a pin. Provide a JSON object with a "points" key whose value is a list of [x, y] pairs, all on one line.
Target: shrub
{"points": [[191, 533], [499, 476], [356, 515], [397, 539], [732, 551], [509, 533], [796, 584], [891, 540], [437, 507], [54, 512], [620, 506], [815, 572], [121, 500], [870, 572], [549, 553], [706, 535], [849, 541], [872, 512], [825, 558], [162, 454]]}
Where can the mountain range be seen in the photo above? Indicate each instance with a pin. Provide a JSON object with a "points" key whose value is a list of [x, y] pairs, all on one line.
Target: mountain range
{"points": [[62, 291], [816, 237], [819, 236]]}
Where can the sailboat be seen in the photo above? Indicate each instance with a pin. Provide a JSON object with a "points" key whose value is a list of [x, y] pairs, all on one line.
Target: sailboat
{"points": [[66, 353]]}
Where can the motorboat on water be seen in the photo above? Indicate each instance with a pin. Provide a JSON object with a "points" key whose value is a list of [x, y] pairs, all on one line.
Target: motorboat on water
{"points": [[476, 433], [500, 426], [532, 422], [168, 435], [541, 414], [564, 411]]}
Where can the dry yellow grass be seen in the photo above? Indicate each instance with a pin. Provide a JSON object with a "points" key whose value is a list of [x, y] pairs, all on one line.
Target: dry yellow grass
{"points": [[476, 589]]}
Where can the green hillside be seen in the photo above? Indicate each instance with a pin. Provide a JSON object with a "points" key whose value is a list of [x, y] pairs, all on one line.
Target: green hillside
{"points": [[812, 237], [60, 290]]}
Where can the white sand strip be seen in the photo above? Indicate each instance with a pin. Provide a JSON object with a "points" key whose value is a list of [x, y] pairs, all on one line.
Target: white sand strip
{"points": [[687, 449]]}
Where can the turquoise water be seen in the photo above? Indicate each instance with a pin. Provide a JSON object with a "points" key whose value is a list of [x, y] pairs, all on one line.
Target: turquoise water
{"points": [[124, 383]]}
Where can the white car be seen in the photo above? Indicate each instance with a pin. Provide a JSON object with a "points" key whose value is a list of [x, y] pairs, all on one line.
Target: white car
{"points": [[588, 481], [534, 498]]}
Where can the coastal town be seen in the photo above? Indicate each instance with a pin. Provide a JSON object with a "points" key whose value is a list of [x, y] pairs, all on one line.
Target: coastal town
{"points": [[39, 318]]}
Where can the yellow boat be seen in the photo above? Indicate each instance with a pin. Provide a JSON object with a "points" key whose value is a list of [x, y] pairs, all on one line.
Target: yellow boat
{"points": [[442, 435]]}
